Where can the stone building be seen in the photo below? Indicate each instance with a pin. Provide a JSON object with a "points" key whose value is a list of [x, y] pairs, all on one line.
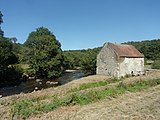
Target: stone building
{"points": [[119, 60]]}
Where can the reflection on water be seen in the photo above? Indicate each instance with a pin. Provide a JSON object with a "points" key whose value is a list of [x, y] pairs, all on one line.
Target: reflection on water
{"points": [[32, 85], [71, 75]]}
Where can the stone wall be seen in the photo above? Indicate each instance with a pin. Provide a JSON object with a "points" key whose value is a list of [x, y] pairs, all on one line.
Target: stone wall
{"points": [[107, 62], [131, 66]]}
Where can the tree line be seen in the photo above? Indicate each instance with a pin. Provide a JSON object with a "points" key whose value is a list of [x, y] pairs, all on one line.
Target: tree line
{"points": [[150, 48]]}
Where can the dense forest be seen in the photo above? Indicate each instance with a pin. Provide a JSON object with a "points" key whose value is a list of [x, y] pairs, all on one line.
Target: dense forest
{"points": [[41, 56], [150, 48]]}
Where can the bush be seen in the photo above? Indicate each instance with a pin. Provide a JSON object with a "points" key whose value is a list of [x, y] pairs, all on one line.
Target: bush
{"points": [[156, 64], [11, 75]]}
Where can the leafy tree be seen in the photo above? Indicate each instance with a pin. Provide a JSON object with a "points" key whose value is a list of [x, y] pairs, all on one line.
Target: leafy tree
{"points": [[8, 71], [88, 63], [45, 54], [6, 54], [22, 52], [73, 58], [1, 21], [85, 59], [13, 39]]}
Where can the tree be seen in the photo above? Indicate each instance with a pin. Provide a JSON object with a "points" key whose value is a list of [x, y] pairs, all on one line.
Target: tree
{"points": [[13, 39], [73, 58], [7, 56], [88, 63], [84, 59], [1, 21], [8, 73], [45, 53]]}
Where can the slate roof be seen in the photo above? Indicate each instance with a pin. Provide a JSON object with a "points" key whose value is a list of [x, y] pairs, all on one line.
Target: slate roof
{"points": [[124, 50]]}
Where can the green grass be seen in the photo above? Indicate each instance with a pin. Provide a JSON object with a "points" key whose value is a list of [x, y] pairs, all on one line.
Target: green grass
{"points": [[89, 85], [37, 99], [25, 108], [94, 84], [22, 107]]}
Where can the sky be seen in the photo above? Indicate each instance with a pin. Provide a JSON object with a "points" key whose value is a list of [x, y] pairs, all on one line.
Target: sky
{"points": [[83, 24]]}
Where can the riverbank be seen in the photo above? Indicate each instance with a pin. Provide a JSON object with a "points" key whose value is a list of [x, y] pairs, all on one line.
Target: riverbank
{"points": [[84, 85], [40, 84]]}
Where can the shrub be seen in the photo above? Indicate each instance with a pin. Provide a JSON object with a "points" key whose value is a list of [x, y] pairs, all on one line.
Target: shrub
{"points": [[156, 64], [11, 75]]}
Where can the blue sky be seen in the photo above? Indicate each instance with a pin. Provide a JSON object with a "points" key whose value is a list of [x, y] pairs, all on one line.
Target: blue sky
{"points": [[82, 24]]}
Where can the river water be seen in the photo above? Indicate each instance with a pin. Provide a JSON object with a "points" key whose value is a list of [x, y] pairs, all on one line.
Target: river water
{"points": [[32, 85]]}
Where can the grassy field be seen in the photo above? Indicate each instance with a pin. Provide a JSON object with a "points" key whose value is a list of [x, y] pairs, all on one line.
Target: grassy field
{"points": [[78, 95], [28, 107]]}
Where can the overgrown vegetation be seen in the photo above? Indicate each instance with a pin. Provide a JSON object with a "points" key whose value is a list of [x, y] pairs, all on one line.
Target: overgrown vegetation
{"points": [[85, 59], [9, 72], [156, 64], [27, 107]]}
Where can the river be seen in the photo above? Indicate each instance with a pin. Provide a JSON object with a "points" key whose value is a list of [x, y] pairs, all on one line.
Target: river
{"points": [[32, 85]]}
